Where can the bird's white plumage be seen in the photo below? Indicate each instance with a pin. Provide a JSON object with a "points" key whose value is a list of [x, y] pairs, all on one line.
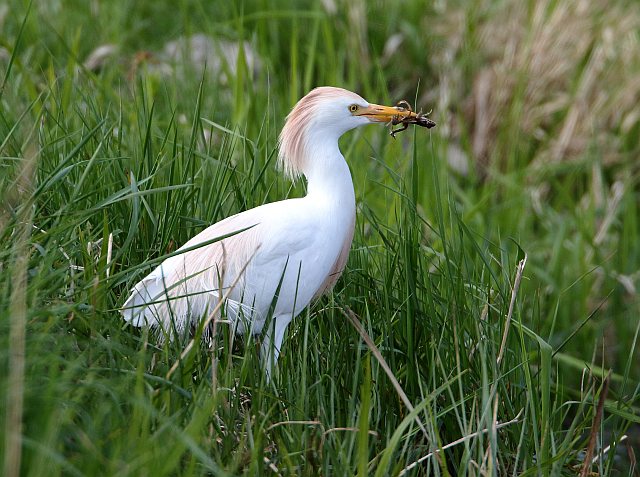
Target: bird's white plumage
{"points": [[300, 244]]}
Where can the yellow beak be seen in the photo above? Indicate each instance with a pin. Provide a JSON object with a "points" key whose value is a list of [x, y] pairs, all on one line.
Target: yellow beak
{"points": [[382, 114]]}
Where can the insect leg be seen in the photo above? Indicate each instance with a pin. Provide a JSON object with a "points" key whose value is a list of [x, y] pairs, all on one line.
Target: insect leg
{"points": [[393, 132]]}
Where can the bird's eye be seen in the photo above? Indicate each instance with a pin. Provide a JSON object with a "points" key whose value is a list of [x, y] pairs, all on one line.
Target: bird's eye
{"points": [[353, 108]]}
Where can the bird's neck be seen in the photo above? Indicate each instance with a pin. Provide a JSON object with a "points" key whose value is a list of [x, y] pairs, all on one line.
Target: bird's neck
{"points": [[328, 176]]}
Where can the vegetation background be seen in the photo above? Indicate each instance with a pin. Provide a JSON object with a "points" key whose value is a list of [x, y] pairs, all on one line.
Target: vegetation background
{"points": [[127, 127]]}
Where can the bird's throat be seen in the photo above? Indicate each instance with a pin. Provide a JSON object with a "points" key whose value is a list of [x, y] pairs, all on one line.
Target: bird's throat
{"points": [[329, 180]]}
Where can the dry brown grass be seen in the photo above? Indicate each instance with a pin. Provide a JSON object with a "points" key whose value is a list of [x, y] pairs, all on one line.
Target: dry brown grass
{"points": [[566, 72]]}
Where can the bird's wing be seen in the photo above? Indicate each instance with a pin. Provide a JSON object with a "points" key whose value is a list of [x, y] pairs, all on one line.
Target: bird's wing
{"points": [[275, 238], [190, 283]]}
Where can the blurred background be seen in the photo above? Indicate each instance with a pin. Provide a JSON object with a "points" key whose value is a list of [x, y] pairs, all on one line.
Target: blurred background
{"points": [[535, 149]]}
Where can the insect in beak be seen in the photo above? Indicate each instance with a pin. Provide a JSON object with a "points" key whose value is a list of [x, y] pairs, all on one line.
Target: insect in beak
{"points": [[407, 116], [401, 113]]}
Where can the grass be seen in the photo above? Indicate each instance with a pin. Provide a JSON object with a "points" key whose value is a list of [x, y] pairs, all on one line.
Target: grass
{"points": [[139, 155]]}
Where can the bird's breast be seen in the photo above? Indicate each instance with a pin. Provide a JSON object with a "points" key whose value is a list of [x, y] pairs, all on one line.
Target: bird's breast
{"points": [[302, 253]]}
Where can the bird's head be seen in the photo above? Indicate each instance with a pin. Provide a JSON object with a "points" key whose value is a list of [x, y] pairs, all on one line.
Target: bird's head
{"points": [[321, 117]]}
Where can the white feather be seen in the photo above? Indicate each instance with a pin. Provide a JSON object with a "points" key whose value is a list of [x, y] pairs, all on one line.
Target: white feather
{"points": [[300, 244]]}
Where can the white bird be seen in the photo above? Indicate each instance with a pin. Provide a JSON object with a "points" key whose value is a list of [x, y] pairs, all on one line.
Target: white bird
{"points": [[298, 245]]}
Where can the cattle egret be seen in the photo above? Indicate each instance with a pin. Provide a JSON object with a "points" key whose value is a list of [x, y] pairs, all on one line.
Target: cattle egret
{"points": [[285, 253]]}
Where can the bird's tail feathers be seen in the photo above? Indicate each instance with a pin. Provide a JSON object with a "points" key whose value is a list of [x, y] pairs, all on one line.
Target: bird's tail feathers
{"points": [[167, 301]]}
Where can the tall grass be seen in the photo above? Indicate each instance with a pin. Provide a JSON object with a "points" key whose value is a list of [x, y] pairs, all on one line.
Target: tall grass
{"points": [[105, 172]]}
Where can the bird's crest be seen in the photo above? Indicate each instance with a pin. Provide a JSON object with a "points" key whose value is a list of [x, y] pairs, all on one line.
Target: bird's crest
{"points": [[292, 155]]}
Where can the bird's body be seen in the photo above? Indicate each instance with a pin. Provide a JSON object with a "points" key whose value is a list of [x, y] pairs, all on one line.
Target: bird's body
{"points": [[276, 257]]}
